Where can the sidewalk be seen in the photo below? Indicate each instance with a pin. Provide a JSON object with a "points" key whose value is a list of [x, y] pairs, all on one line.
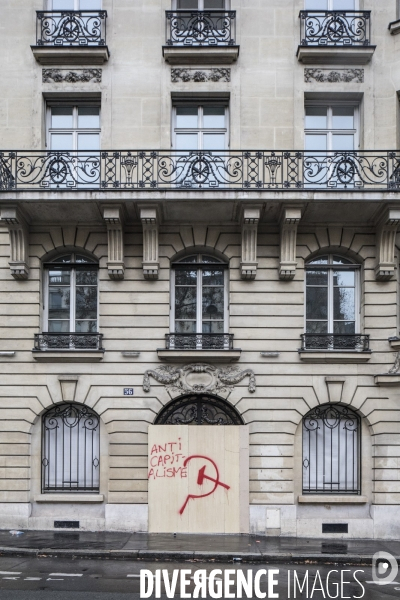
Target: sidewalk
{"points": [[220, 548]]}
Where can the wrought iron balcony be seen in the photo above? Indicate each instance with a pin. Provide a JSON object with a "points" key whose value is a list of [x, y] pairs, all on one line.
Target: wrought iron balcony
{"points": [[68, 341], [116, 170], [199, 341], [71, 28], [333, 341], [335, 28], [200, 28]]}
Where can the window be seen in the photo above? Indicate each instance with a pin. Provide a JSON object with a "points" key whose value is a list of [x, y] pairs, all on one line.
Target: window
{"points": [[70, 449], [331, 4], [71, 296], [201, 4], [76, 5], [199, 307], [331, 451], [331, 128], [74, 128], [200, 127]]}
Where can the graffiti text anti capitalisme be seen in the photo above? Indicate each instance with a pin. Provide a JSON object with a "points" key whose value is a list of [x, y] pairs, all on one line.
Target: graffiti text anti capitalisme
{"points": [[167, 460]]}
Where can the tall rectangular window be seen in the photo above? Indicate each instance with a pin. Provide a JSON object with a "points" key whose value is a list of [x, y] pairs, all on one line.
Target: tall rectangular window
{"points": [[76, 5], [331, 127], [201, 4], [74, 128], [331, 5], [200, 127]]}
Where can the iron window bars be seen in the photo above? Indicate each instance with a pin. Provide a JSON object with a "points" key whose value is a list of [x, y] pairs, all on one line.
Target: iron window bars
{"points": [[200, 28], [199, 169], [331, 451], [70, 449], [198, 409], [199, 341], [335, 28], [71, 28]]}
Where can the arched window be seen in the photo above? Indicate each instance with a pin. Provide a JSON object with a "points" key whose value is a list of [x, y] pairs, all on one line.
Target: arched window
{"points": [[199, 409], [199, 303], [70, 449], [70, 316], [332, 304], [331, 451]]}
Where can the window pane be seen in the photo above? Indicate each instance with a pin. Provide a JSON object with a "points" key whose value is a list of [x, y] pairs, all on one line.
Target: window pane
{"points": [[186, 116], [187, 141], [185, 303], [316, 117], [317, 303], [213, 277], [343, 5], [59, 277], [61, 117], [213, 327], [344, 327], [86, 277], [83, 259], [86, 302], [339, 260], [316, 5], [61, 141], [59, 326], [88, 117], [86, 326], [90, 4], [321, 260], [214, 116], [63, 4], [63, 259], [185, 326], [213, 141], [316, 142], [343, 304], [59, 302], [209, 259], [317, 277], [187, 4], [343, 117], [343, 142], [343, 278], [185, 277], [88, 141], [214, 4], [213, 303], [317, 327]]}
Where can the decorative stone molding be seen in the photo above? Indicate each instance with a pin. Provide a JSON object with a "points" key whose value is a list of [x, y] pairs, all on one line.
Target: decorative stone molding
{"points": [[386, 239], [335, 388], [199, 378], [112, 215], [289, 220], [334, 76], [250, 219], [19, 241], [200, 75], [79, 75], [68, 385], [150, 222]]}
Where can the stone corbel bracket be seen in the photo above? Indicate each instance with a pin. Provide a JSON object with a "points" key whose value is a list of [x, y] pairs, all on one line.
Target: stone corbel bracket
{"points": [[289, 220], [150, 221], [19, 241], [112, 215], [250, 219], [386, 240]]}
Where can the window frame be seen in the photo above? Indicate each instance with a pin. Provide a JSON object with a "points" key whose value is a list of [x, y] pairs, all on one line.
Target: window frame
{"points": [[76, 6], [200, 6], [330, 4], [329, 131], [330, 267], [199, 290], [46, 291], [200, 130], [75, 105]]}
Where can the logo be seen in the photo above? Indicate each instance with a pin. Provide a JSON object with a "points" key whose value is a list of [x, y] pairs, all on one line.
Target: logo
{"points": [[384, 568]]}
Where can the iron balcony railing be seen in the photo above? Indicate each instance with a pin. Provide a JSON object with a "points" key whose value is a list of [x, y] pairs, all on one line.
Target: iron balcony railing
{"points": [[200, 28], [199, 341], [334, 341], [206, 170], [335, 28], [68, 341], [71, 28]]}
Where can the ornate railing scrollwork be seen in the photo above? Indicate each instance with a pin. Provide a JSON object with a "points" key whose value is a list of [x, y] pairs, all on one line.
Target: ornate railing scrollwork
{"points": [[335, 28], [199, 341], [68, 341], [200, 409], [71, 28], [200, 28], [334, 341], [256, 170]]}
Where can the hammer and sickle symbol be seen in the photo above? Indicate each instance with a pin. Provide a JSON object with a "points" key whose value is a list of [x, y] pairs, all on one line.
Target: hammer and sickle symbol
{"points": [[200, 480]]}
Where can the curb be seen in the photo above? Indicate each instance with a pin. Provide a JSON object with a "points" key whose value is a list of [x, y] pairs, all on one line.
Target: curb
{"points": [[179, 556]]}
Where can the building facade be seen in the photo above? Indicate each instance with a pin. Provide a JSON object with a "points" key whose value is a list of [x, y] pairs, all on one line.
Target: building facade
{"points": [[199, 213]]}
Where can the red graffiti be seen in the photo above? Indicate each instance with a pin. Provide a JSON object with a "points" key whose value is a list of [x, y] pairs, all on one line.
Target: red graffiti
{"points": [[200, 480]]}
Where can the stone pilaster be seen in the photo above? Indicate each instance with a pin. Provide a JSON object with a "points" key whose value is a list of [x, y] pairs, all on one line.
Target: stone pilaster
{"points": [[150, 222], [19, 241], [250, 219], [386, 240], [289, 220], [113, 217]]}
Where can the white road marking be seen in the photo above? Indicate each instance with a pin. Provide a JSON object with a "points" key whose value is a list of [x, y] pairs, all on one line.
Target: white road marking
{"points": [[55, 579], [32, 578], [10, 572], [65, 574], [10, 577], [135, 576]]}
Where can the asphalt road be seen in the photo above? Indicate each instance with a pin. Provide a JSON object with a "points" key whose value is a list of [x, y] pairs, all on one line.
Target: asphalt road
{"points": [[59, 579]]}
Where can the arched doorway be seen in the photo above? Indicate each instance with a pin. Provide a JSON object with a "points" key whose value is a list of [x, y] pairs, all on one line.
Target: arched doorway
{"points": [[199, 409]]}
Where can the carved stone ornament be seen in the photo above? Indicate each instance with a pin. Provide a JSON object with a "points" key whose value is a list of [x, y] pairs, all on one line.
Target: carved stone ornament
{"points": [[334, 76], [80, 75], [199, 378], [396, 366], [203, 75]]}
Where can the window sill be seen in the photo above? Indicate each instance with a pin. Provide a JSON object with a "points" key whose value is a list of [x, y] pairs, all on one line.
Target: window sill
{"points": [[199, 355], [69, 498], [68, 355], [394, 27], [200, 55], [327, 55], [66, 55], [387, 379], [322, 499], [339, 356]]}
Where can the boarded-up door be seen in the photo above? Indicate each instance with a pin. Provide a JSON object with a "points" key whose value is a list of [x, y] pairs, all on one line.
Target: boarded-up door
{"points": [[198, 479]]}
